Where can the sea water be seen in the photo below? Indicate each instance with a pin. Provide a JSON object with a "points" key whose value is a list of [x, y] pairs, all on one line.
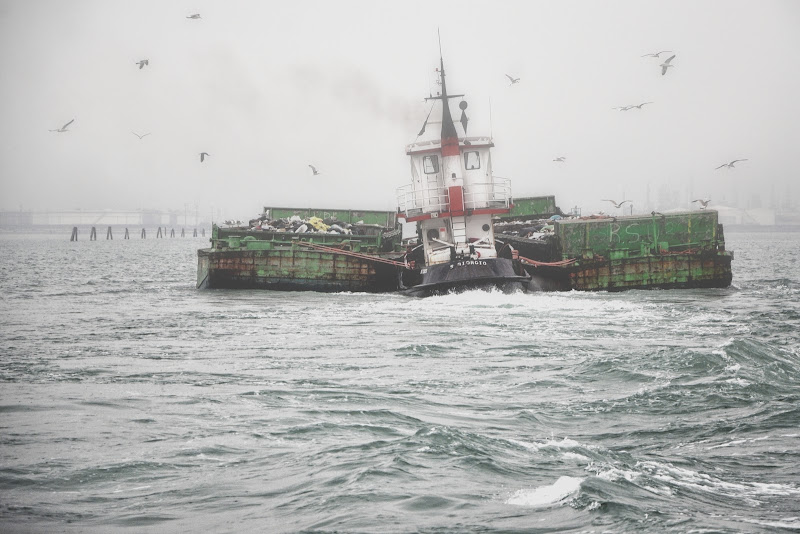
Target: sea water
{"points": [[130, 401]]}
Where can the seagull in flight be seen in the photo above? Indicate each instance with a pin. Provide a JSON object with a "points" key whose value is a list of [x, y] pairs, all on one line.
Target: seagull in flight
{"points": [[656, 54], [195, 16], [704, 203], [616, 204], [314, 170], [664, 66], [623, 108], [203, 156], [512, 79], [639, 106], [140, 136], [730, 165], [142, 63], [560, 159], [63, 128]]}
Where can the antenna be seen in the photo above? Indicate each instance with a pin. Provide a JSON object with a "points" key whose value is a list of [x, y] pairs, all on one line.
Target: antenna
{"points": [[491, 132], [440, 41]]}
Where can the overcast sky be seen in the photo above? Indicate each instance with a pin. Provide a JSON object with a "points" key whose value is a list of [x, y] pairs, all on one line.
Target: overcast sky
{"points": [[267, 88]]}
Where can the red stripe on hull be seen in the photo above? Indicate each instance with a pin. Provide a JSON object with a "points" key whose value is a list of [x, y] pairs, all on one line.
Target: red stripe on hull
{"points": [[456, 193], [450, 147]]}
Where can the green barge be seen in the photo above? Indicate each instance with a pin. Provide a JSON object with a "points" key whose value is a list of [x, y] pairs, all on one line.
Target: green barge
{"points": [[242, 257], [672, 250]]}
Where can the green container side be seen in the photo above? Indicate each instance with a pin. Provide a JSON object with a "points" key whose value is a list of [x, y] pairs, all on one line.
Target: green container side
{"points": [[528, 207], [638, 235]]}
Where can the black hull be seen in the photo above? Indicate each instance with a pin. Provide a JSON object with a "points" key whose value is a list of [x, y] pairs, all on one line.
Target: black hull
{"points": [[462, 275]]}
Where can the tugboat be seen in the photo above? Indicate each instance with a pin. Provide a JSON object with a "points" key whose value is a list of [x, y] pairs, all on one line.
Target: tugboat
{"points": [[453, 197]]}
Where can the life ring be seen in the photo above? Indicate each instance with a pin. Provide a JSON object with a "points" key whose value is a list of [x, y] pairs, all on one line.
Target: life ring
{"points": [[478, 252]]}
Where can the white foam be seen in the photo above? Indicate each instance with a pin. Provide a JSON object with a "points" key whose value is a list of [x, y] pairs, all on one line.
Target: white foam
{"points": [[703, 482], [564, 444], [737, 442], [734, 368], [613, 474], [728, 444], [546, 495], [576, 456], [594, 505], [738, 381]]}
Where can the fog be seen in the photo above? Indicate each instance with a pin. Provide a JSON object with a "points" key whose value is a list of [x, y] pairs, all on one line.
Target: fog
{"points": [[268, 88]]}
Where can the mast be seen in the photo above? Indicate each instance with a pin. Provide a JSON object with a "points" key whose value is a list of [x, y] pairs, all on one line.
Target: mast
{"points": [[449, 134], [450, 152]]}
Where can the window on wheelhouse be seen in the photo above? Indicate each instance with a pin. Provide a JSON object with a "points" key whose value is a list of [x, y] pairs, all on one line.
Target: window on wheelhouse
{"points": [[472, 160], [430, 164]]}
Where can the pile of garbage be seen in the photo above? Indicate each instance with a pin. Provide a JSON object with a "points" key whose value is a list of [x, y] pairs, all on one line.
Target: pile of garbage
{"points": [[299, 225], [529, 229]]}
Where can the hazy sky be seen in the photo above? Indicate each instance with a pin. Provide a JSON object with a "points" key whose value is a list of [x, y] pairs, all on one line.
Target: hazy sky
{"points": [[267, 88]]}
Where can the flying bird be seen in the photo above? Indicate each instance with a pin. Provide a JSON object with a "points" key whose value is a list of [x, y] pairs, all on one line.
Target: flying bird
{"points": [[63, 128], [314, 170], [616, 204], [560, 159], [664, 66], [639, 106], [623, 108], [656, 54], [704, 203], [730, 165], [142, 63], [195, 16], [203, 156], [140, 136], [512, 80]]}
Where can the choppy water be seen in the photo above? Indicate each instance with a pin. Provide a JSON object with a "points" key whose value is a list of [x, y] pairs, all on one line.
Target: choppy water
{"points": [[131, 401]]}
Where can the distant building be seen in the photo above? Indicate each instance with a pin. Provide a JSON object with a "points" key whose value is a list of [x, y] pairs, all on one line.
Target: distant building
{"points": [[145, 218]]}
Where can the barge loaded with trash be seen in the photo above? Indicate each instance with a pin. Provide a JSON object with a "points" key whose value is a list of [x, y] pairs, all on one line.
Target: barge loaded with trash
{"points": [[470, 232], [304, 250], [681, 249]]}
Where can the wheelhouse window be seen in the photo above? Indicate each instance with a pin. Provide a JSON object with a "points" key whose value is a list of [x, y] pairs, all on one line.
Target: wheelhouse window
{"points": [[430, 164], [472, 160]]}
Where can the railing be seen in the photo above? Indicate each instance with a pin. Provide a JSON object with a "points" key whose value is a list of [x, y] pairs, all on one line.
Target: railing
{"points": [[464, 142], [415, 201], [494, 194]]}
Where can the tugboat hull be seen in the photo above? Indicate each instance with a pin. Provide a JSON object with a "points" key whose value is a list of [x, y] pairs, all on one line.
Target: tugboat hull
{"points": [[461, 275]]}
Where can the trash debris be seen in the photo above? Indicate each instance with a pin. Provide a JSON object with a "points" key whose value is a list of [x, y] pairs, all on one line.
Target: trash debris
{"points": [[299, 225]]}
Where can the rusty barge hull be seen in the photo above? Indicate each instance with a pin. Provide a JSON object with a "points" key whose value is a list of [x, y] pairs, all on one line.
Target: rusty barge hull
{"points": [[292, 270], [684, 271], [243, 258]]}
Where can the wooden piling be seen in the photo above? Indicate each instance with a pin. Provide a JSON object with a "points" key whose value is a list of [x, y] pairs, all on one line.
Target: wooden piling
{"points": [[144, 234], [159, 232], [183, 234], [109, 235], [126, 234], [74, 236], [172, 233], [195, 233], [93, 234]]}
